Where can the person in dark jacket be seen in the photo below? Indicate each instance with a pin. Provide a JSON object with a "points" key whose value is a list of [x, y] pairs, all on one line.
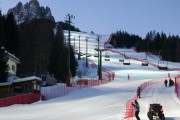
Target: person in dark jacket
{"points": [[171, 82], [139, 92], [137, 109], [165, 82]]}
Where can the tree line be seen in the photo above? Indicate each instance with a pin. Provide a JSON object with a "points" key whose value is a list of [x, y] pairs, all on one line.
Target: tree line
{"points": [[166, 47], [40, 46]]}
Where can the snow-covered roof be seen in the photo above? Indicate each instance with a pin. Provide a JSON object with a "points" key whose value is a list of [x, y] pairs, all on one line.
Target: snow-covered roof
{"points": [[26, 79], [21, 80], [13, 57], [5, 84]]}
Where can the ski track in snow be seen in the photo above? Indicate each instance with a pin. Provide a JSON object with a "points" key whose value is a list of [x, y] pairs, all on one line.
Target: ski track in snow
{"points": [[104, 102], [162, 95]]}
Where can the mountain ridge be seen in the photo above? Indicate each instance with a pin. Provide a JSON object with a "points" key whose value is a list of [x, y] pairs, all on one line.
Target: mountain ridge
{"points": [[29, 11]]}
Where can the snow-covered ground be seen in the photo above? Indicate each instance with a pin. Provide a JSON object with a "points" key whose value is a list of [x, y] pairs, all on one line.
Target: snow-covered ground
{"points": [[105, 102]]}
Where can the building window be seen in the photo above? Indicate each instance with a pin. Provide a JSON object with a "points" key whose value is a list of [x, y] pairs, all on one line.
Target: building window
{"points": [[26, 86], [13, 68]]}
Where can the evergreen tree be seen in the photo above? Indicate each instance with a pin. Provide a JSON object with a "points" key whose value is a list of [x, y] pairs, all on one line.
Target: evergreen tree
{"points": [[34, 46], [58, 57], [73, 62], [65, 26], [3, 65], [2, 31], [123, 39], [11, 34]]}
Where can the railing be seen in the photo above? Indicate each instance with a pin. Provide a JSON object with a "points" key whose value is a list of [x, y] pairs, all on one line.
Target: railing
{"points": [[20, 99], [177, 85], [129, 109], [61, 89]]}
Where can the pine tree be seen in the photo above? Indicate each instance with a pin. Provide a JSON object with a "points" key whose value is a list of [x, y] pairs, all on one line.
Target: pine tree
{"points": [[3, 65], [58, 57], [73, 62], [3, 60], [11, 34], [2, 31]]}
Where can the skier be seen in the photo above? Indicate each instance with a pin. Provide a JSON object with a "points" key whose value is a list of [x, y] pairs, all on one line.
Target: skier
{"points": [[165, 82], [138, 92], [137, 109]]}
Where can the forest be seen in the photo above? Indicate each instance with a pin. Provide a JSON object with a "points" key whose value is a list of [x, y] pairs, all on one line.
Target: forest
{"points": [[166, 47], [40, 49]]}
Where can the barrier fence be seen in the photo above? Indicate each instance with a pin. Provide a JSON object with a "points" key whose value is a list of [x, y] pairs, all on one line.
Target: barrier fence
{"points": [[129, 109], [20, 99], [61, 89], [177, 85]]}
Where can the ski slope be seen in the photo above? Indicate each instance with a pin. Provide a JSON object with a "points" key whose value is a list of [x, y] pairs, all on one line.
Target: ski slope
{"points": [[104, 102]]}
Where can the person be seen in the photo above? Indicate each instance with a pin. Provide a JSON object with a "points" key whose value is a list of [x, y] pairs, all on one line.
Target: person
{"points": [[139, 92], [137, 109], [165, 82], [171, 82]]}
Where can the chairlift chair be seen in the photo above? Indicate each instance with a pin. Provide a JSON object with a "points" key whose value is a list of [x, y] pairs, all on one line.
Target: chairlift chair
{"points": [[145, 63], [121, 59], [107, 57], [162, 65], [126, 61], [95, 54]]}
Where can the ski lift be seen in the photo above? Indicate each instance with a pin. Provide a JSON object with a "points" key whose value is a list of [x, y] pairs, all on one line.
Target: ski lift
{"points": [[145, 61], [107, 57], [121, 59], [89, 55], [126, 61], [162, 65], [95, 54]]}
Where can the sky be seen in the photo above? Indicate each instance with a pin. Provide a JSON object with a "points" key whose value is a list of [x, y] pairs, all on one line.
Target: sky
{"points": [[109, 16], [107, 101]]}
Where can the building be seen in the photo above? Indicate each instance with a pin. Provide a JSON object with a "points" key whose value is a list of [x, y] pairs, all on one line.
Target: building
{"points": [[12, 63], [20, 86]]}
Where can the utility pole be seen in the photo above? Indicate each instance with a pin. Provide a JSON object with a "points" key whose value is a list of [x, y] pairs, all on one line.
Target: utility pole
{"points": [[79, 49], [86, 52], [68, 64], [99, 59]]}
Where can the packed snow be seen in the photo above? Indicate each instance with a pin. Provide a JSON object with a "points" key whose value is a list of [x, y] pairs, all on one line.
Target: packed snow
{"points": [[105, 102]]}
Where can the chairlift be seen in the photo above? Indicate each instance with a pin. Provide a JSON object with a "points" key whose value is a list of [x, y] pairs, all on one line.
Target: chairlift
{"points": [[121, 59], [95, 54], [162, 65], [126, 61], [89, 54], [107, 57], [145, 61]]}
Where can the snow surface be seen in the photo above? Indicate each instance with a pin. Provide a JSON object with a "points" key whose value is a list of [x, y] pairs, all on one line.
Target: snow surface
{"points": [[105, 102]]}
